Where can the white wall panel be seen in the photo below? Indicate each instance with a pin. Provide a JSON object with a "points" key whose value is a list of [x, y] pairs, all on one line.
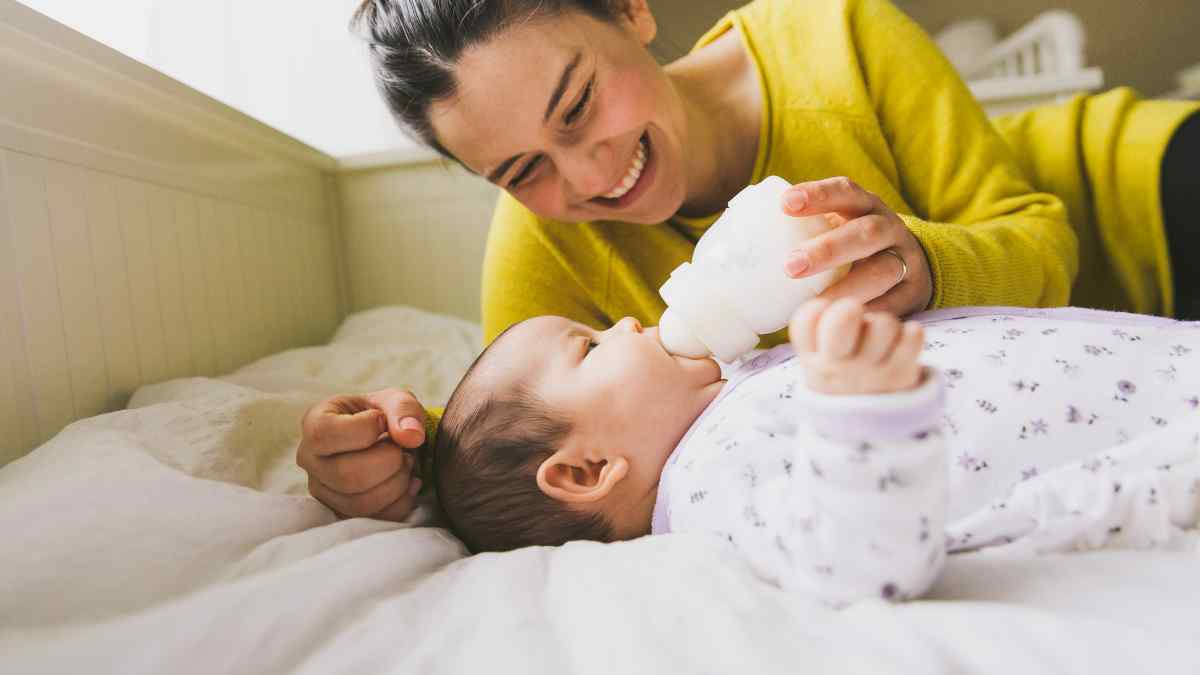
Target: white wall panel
{"points": [[38, 293], [195, 280], [146, 233], [113, 294], [75, 270], [18, 407]]}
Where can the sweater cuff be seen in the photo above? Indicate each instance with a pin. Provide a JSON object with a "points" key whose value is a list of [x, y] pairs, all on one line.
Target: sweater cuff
{"points": [[927, 235], [876, 416], [433, 420]]}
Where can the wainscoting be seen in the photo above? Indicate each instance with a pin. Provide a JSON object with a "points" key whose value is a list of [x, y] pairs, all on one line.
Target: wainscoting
{"points": [[146, 232]]}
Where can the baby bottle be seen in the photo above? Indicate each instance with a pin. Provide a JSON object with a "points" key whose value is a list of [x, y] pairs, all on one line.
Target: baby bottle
{"points": [[735, 288]]}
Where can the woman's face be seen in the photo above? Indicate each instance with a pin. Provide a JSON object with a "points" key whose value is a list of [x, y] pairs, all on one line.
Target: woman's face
{"points": [[573, 117]]}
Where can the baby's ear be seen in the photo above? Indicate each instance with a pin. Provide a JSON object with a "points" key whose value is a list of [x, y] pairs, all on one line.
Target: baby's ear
{"points": [[569, 477]]}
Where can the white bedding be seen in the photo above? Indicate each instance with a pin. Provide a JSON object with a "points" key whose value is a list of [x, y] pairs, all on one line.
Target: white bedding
{"points": [[177, 537]]}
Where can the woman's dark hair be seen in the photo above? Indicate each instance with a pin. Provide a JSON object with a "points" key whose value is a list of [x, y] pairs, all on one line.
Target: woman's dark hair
{"points": [[415, 44]]}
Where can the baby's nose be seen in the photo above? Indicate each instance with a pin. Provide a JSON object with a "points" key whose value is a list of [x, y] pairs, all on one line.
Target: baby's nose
{"points": [[628, 325]]}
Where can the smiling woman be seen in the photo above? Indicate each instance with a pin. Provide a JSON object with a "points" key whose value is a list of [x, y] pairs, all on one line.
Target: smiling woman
{"points": [[613, 166], [587, 121]]}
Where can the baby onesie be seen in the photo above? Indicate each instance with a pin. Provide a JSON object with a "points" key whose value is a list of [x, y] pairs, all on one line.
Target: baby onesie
{"points": [[1045, 430]]}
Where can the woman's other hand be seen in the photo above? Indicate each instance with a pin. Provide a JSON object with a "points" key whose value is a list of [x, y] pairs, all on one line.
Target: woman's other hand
{"points": [[359, 452], [890, 272]]}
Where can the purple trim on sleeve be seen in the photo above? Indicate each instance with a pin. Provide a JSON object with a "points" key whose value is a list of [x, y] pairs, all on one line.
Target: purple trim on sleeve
{"points": [[1061, 313], [660, 519], [883, 416]]}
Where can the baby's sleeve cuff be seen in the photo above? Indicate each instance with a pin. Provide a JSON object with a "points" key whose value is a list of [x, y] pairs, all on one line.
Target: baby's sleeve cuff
{"points": [[876, 416]]}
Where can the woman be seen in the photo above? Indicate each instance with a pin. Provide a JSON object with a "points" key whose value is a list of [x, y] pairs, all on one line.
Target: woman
{"points": [[613, 167]]}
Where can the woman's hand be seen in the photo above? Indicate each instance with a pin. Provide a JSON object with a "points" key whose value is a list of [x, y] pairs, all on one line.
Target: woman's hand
{"points": [[357, 451], [867, 234]]}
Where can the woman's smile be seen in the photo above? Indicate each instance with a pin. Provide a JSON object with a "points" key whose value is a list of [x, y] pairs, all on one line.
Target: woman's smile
{"points": [[632, 174], [638, 178]]}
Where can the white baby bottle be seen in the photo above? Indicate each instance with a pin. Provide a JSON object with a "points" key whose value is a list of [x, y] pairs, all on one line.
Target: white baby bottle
{"points": [[735, 288]]}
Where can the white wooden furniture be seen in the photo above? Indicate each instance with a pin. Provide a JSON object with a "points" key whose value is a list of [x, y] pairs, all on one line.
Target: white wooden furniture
{"points": [[1042, 62]]}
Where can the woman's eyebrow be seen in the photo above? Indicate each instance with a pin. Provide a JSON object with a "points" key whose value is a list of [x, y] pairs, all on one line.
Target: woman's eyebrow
{"points": [[562, 85]]}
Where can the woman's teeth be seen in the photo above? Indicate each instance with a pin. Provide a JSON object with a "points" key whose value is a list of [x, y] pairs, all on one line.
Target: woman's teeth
{"points": [[632, 175]]}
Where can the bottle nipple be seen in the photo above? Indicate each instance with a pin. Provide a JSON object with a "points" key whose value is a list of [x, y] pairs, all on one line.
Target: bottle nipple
{"points": [[677, 338]]}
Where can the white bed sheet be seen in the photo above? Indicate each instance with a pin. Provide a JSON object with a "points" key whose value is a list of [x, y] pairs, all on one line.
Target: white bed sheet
{"points": [[177, 537]]}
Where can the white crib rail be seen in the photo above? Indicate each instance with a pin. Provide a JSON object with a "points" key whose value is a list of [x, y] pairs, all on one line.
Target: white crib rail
{"points": [[1051, 43], [1189, 84], [1042, 62]]}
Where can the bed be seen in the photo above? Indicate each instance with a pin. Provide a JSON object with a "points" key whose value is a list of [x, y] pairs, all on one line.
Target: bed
{"points": [[177, 536]]}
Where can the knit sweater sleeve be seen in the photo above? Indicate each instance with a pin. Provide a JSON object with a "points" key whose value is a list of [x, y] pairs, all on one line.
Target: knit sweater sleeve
{"points": [[534, 267], [990, 238]]}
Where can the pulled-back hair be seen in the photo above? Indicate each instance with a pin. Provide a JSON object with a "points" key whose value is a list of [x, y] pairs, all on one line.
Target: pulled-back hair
{"points": [[486, 456], [415, 45]]}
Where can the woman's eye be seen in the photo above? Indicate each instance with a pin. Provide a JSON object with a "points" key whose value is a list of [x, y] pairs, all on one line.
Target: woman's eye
{"points": [[575, 112], [520, 178]]}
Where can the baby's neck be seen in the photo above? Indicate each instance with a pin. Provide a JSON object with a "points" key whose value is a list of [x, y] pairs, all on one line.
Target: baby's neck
{"points": [[645, 514]]}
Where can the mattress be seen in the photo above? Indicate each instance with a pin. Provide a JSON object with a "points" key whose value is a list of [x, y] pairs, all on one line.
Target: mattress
{"points": [[177, 536]]}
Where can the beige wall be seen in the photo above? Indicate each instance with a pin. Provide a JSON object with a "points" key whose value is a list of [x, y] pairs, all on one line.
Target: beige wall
{"points": [[415, 235], [1142, 44]]}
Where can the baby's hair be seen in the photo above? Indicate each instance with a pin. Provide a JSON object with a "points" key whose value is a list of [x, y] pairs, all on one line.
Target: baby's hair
{"points": [[486, 457]]}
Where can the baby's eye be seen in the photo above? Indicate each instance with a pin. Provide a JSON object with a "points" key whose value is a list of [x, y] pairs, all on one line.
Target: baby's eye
{"points": [[592, 344]]}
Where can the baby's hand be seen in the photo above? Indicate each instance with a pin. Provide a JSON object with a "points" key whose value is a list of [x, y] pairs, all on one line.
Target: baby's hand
{"points": [[847, 350]]}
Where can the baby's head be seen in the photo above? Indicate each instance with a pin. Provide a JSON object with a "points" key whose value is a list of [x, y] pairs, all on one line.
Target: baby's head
{"points": [[560, 432]]}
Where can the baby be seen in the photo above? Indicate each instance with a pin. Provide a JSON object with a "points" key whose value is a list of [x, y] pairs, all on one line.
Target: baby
{"points": [[838, 464]]}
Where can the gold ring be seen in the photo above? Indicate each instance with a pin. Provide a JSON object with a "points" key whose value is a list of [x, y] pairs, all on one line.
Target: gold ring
{"points": [[903, 265]]}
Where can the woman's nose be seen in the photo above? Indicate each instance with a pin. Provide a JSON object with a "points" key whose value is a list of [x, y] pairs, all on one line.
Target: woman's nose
{"points": [[588, 171]]}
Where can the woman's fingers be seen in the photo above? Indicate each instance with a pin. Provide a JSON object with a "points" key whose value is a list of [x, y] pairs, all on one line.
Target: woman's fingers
{"points": [[868, 279], [359, 471], [857, 239], [332, 426], [903, 299], [393, 494], [837, 195], [400, 509], [869, 227], [353, 449], [404, 413]]}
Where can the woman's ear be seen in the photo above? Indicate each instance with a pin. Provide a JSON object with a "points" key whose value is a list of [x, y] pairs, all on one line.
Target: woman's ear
{"points": [[641, 19], [570, 478]]}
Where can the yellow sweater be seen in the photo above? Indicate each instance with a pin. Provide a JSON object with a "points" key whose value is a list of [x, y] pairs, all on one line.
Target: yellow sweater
{"points": [[855, 88]]}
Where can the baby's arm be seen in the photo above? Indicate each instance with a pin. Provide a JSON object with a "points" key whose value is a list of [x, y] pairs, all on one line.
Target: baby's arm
{"points": [[863, 513]]}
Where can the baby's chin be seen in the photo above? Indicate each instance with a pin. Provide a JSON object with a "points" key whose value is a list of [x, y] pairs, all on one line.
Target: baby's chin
{"points": [[706, 370]]}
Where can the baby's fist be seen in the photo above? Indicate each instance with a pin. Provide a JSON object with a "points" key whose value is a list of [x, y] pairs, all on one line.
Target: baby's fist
{"points": [[846, 350]]}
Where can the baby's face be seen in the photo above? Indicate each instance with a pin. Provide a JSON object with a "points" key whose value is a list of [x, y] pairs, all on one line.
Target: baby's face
{"points": [[621, 390]]}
